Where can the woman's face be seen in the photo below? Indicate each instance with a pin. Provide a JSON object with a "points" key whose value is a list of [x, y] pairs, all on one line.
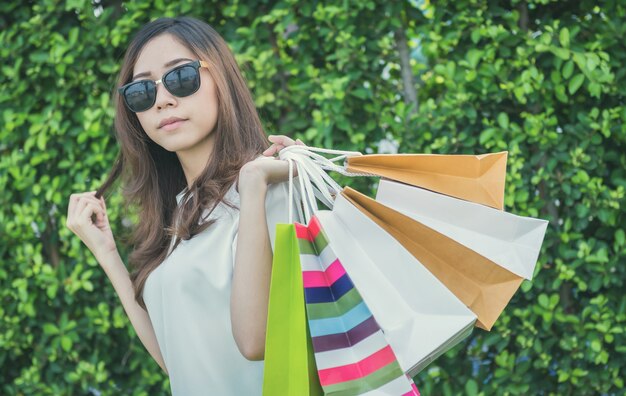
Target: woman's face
{"points": [[198, 111]]}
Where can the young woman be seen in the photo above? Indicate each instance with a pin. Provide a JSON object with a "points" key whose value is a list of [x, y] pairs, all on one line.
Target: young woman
{"points": [[195, 162]]}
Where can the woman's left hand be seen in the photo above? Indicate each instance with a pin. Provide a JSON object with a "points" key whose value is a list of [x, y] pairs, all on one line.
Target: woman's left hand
{"points": [[269, 169]]}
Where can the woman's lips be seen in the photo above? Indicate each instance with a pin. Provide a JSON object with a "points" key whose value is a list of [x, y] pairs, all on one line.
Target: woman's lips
{"points": [[173, 125]]}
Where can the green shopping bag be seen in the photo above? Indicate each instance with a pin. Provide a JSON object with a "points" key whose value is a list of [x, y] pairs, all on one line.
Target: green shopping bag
{"points": [[289, 360]]}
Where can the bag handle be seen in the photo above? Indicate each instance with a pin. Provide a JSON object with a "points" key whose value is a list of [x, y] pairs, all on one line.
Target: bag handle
{"points": [[314, 181]]}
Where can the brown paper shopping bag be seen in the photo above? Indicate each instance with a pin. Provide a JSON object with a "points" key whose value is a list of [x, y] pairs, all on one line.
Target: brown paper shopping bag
{"points": [[476, 178], [479, 283]]}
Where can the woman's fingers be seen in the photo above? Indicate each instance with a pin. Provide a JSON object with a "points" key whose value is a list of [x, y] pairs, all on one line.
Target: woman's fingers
{"points": [[279, 142], [78, 209], [88, 220], [90, 208], [273, 149], [78, 203]]}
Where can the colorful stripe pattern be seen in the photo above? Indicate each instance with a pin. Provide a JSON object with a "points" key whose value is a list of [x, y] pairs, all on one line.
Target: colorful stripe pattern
{"points": [[351, 351]]}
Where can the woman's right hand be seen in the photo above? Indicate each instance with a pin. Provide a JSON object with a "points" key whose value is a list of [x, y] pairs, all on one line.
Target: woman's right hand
{"points": [[96, 235]]}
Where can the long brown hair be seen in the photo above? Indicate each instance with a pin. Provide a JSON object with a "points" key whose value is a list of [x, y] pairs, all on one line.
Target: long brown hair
{"points": [[151, 176]]}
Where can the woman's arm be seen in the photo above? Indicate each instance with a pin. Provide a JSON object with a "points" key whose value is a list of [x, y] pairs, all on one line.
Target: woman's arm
{"points": [[253, 258], [97, 236], [119, 277], [253, 265]]}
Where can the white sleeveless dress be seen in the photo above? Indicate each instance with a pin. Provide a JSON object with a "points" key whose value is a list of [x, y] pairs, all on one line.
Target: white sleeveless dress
{"points": [[188, 300]]}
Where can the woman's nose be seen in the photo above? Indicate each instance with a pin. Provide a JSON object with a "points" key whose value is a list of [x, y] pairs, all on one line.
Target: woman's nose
{"points": [[163, 97]]}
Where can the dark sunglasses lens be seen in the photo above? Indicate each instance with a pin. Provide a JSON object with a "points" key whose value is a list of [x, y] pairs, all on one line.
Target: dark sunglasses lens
{"points": [[140, 96], [182, 81]]}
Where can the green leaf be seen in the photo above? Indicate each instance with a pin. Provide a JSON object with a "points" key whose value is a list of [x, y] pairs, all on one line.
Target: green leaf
{"points": [[474, 56], [575, 83], [503, 120], [361, 93], [560, 52], [559, 92], [50, 329], [544, 301], [620, 237], [595, 89], [471, 388], [568, 69], [66, 343], [592, 61], [564, 37], [486, 135], [87, 285], [476, 35]]}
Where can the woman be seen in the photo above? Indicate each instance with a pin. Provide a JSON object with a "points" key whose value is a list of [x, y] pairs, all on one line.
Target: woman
{"points": [[192, 162]]}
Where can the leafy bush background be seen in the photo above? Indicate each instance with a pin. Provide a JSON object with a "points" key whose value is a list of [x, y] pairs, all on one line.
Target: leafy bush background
{"points": [[543, 79]]}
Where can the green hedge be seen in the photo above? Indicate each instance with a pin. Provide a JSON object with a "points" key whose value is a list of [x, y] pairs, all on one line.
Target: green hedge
{"points": [[542, 79]]}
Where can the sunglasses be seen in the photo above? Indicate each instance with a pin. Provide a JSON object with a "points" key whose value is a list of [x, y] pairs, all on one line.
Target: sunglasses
{"points": [[181, 81]]}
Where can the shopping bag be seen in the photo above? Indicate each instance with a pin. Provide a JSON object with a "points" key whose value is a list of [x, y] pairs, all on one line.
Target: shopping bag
{"points": [[420, 317], [289, 361], [513, 242], [352, 354], [484, 286], [384, 282], [476, 178]]}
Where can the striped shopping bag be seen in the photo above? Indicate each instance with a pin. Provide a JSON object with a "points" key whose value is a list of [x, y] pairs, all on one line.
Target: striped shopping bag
{"points": [[352, 354]]}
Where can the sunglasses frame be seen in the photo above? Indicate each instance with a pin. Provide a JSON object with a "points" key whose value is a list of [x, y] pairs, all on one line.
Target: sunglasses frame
{"points": [[195, 64]]}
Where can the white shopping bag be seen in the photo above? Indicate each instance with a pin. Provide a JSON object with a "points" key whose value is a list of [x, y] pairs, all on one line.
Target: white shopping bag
{"points": [[419, 316], [513, 242]]}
